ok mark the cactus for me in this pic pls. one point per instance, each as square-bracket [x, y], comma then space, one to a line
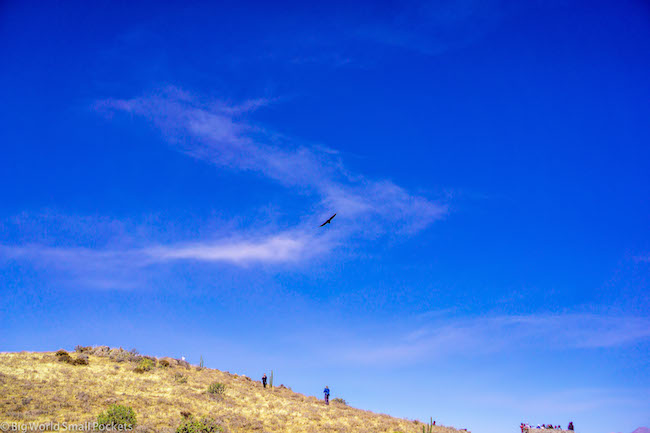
[428, 428]
[201, 363]
[271, 380]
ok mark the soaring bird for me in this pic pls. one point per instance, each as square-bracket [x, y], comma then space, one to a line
[328, 221]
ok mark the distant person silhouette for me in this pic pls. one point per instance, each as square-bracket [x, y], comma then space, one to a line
[264, 380]
[571, 426]
[326, 391]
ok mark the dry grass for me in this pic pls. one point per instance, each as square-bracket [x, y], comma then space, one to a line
[37, 388]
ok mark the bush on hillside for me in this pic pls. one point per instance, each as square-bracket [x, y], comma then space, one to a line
[203, 425]
[63, 356]
[80, 360]
[180, 378]
[145, 364]
[83, 349]
[117, 417]
[340, 401]
[163, 363]
[216, 388]
[121, 355]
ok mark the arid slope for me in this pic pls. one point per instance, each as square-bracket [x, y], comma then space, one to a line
[36, 387]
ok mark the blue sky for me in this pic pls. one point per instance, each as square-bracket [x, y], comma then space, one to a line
[165, 168]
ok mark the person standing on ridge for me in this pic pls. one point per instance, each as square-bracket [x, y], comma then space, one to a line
[264, 380]
[571, 426]
[326, 391]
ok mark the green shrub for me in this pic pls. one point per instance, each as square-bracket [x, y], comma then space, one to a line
[117, 417]
[180, 378]
[193, 425]
[217, 388]
[163, 363]
[340, 401]
[203, 425]
[145, 364]
[63, 356]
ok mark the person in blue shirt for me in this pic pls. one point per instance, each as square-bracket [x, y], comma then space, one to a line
[326, 391]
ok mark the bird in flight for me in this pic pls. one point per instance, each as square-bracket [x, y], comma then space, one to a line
[328, 221]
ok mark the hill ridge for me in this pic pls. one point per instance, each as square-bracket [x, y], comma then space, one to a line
[43, 387]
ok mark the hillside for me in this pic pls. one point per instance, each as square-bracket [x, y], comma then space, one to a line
[39, 388]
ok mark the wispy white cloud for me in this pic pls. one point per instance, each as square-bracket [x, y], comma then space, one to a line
[560, 402]
[85, 267]
[280, 248]
[221, 134]
[274, 249]
[486, 335]
[125, 267]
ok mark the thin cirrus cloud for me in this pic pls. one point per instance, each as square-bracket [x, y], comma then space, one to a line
[277, 248]
[220, 133]
[126, 267]
[486, 335]
[562, 401]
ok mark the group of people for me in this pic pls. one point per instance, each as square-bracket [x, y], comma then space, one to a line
[525, 427]
[326, 391]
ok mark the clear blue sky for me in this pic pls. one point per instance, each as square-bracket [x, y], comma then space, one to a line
[165, 168]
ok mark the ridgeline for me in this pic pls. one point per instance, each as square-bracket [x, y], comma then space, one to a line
[168, 395]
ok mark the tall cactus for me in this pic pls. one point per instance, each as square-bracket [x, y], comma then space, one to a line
[428, 428]
[201, 364]
[271, 380]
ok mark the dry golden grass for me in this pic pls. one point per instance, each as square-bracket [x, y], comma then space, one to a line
[36, 388]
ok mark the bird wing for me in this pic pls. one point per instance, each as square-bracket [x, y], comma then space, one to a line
[328, 221]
